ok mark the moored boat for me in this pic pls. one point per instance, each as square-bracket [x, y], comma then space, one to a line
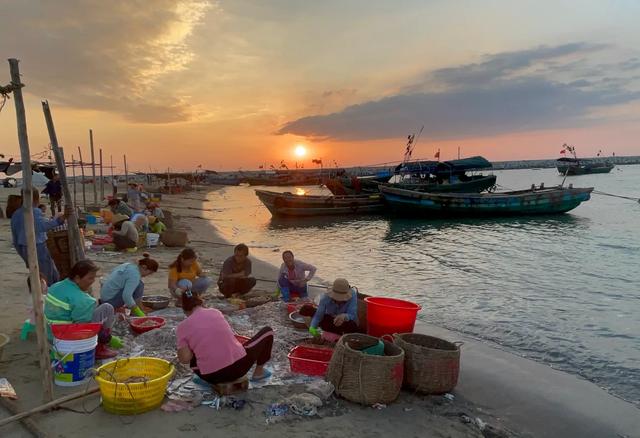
[574, 166]
[288, 204]
[534, 201]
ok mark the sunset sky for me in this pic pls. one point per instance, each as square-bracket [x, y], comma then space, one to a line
[236, 84]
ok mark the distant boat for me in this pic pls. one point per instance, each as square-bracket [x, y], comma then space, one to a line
[575, 166]
[534, 201]
[288, 204]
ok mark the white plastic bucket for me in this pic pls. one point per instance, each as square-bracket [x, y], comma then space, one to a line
[153, 239]
[72, 360]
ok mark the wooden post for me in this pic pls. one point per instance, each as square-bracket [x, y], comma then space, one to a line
[93, 169]
[29, 228]
[126, 172]
[115, 191]
[73, 172]
[76, 245]
[84, 191]
[101, 179]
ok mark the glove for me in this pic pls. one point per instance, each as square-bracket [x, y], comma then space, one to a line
[315, 331]
[137, 311]
[115, 342]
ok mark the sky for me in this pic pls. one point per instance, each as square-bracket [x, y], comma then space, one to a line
[237, 84]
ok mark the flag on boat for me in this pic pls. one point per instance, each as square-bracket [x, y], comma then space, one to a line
[563, 151]
[437, 155]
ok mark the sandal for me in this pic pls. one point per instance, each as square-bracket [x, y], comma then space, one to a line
[266, 375]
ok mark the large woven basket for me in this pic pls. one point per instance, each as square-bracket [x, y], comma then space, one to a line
[174, 238]
[364, 378]
[431, 365]
[122, 396]
[58, 246]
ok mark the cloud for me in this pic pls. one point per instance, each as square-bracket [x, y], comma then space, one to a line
[109, 56]
[507, 92]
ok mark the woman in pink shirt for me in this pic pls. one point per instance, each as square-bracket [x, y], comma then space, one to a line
[207, 342]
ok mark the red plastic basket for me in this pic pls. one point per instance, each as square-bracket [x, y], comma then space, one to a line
[75, 332]
[309, 360]
[136, 324]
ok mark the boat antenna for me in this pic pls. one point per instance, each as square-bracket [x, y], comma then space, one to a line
[411, 144]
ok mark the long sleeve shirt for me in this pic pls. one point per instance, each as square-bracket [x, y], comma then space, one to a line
[66, 302]
[129, 230]
[330, 307]
[299, 270]
[42, 225]
[123, 280]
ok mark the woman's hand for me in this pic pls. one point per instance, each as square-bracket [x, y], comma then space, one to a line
[340, 319]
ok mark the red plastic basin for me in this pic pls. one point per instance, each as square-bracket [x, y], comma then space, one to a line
[386, 316]
[141, 324]
[75, 332]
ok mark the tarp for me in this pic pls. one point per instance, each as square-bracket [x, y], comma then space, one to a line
[444, 167]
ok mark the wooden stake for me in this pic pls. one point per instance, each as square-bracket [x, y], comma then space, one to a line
[114, 187]
[73, 171]
[29, 227]
[93, 169]
[49, 405]
[75, 240]
[126, 172]
[101, 179]
[84, 191]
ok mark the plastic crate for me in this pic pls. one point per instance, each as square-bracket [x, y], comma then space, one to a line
[309, 360]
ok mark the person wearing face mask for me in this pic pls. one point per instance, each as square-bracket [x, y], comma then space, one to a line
[124, 286]
[69, 301]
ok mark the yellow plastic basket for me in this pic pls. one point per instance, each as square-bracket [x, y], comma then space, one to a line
[123, 393]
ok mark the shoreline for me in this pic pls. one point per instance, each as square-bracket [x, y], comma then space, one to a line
[522, 395]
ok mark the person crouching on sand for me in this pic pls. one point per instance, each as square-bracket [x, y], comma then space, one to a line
[124, 286]
[69, 301]
[234, 278]
[208, 344]
[337, 312]
[185, 274]
[293, 277]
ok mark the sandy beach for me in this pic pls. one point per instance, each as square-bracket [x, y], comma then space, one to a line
[499, 394]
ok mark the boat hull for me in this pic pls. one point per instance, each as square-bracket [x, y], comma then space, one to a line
[553, 200]
[287, 204]
[584, 170]
[475, 185]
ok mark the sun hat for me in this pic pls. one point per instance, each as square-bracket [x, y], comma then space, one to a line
[152, 220]
[341, 291]
[119, 218]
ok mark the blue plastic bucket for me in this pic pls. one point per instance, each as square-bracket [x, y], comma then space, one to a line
[72, 360]
[91, 219]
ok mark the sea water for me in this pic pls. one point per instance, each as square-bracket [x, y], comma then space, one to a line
[563, 290]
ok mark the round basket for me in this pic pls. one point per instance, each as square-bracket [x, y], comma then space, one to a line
[364, 378]
[122, 391]
[431, 365]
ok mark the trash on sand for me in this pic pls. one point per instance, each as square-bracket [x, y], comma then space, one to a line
[465, 418]
[379, 406]
[6, 390]
[408, 409]
[321, 389]
[481, 424]
[277, 410]
[449, 397]
[304, 404]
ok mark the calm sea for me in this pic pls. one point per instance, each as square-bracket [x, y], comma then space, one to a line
[563, 290]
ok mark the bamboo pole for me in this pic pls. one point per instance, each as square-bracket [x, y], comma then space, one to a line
[126, 172]
[27, 423]
[84, 191]
[73, 172]
[101, 179]
[29, 228]
[49, 405]
[93, 169]
[114, 184]
[75, 240]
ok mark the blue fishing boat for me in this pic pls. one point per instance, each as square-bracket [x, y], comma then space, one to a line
[534, 201]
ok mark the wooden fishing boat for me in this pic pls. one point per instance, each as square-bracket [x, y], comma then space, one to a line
[464, 184]
[574, 166]
[537, 200]
[288, 204]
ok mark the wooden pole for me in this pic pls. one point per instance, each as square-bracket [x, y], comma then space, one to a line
[101, 179]
[76, 245]
[93, 169]
[84, 191]
[126, 172]
[49, 405]
[73, 172]
[30, 234]
[114, 185]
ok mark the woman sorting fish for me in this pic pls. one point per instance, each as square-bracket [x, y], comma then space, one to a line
[337, 311]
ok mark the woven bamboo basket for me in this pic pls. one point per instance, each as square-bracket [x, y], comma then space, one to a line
[431, 365]
[174, 238]
[364, 378]
[58, 246]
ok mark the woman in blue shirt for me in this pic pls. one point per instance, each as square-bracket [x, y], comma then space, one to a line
[337, 312]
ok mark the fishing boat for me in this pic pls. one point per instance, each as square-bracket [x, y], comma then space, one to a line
[288, 204]
[534, 201]
[575, 166]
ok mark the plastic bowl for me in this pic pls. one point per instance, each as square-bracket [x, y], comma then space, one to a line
[156, 302]
[141, 325]
[298, 320]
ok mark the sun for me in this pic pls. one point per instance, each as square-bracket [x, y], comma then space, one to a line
[300, 151]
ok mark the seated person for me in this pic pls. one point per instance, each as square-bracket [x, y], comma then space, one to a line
[125, 232]
[155, 226]
[70, 301]
[207, 342]
[155, 210]
[293, 277]
[120, 207]
[337, 312]
[124, 286]
[234, 278]
[185, 274]
[142, 220]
